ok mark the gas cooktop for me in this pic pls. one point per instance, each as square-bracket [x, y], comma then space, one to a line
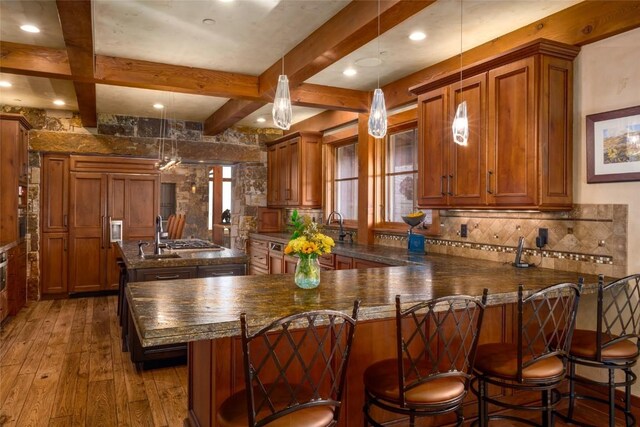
[190, 244]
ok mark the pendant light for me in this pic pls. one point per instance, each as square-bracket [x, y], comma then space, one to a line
[460, 126]
[281, 111]
[378, 113]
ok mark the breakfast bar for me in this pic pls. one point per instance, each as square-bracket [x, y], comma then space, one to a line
[205, 313]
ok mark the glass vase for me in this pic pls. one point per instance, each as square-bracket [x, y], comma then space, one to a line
[307, 274]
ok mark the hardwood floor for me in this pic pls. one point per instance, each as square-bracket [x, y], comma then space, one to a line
[61, 364]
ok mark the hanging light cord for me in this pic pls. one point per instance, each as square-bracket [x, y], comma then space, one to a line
[460, 47]
[379, 60]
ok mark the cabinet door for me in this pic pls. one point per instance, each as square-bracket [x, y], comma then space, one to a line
[293, 172]
[363, 263]
[511, 163]
[310, 175]
[434, 126]
[55, 194]
[54, 263]
[9, 171]
[290, 263]
[273, 177]
[466, 185]
[275, 262]
[343, 262]
[23, 153]
[88, 239]
[283, 169]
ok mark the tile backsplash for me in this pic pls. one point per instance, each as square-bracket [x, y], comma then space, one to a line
[588, 239]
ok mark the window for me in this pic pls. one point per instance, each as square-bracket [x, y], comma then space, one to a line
[167, 200]
[401, 174]
[219, 198]
[345, 182]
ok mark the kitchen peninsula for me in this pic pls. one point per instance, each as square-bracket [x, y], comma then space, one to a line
[205, 313]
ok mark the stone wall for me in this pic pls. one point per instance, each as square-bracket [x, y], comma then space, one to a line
[62, 132]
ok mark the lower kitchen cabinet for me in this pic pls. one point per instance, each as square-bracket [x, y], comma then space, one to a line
[343, 262]
[53, 268]
[222, 270]
[17, 278]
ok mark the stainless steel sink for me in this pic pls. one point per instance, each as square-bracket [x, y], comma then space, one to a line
[161, 256]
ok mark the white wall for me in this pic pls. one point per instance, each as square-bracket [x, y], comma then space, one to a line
[607, 77]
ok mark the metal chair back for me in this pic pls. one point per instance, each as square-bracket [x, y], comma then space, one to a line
[618, 312]
[436, 339]
[297, 362]
[546, 320]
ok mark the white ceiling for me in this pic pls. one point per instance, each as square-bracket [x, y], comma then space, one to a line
[299, 114]
[483, 20]
[37, 92]
[247, 37]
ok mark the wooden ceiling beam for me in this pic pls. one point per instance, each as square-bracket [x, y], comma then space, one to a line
[76, 22]
[37, 61]
[229, 114]
[351, 28]
[318, 96]
[175, 78]
[581, 24]
[326, 120]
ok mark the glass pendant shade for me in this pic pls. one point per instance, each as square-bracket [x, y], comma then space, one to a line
[281, 111]
[460, 125]
[378, 115]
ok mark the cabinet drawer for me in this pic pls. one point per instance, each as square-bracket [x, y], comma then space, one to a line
[222, 270]
[327, 261]
[151, 274]
[259, 259]
[258, 245]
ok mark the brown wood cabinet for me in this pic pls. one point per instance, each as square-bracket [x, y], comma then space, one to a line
[81, 196]
[13, 172]
[519, 150]
[17, 278]
[343, 262]
[294, 174]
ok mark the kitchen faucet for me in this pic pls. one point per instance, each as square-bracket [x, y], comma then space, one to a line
[341, 234]
[156, 249]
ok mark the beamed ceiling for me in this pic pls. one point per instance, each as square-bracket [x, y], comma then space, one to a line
[218, 61]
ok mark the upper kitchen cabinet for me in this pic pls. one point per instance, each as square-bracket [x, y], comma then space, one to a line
[519, 151]
[13, 173]
[294, 171]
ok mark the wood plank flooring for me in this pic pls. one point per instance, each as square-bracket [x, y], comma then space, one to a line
[61, 364]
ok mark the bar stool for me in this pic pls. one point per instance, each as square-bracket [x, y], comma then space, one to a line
[535, 362]
[295, 370]
[436, 343]
[614, 345]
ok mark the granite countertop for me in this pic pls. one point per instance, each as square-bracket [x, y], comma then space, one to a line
[198, 309]
[188, 257]
[381, 254]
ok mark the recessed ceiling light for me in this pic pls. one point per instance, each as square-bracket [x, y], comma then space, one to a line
[4, 83]
[208, 21]
[59, 102]
[261, 120]
[417, 35]
[369, 62]
[30, 28]
[158, 106]
[226, 1]
[350, 72]
[17, 99]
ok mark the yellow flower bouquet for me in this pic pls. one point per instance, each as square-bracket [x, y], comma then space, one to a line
[307, 243]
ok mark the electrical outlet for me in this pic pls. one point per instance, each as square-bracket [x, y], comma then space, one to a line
[543, 234]
[463, 230]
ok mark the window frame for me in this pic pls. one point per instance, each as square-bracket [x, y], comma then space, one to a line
[330, 190]
[381, 176]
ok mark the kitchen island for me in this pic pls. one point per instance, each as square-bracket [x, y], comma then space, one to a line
[205, 313]
[195, 258]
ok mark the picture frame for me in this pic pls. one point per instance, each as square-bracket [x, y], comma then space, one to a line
[613, 146]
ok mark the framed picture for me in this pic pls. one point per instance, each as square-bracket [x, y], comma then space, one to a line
[613, 146]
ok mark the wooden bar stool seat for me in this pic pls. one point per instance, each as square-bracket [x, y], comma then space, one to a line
[233, 411]
[381, 379]
[613, 346]
[295, 371]
[584, 345]
[536, 361]
[436, 342]
[501, 360]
